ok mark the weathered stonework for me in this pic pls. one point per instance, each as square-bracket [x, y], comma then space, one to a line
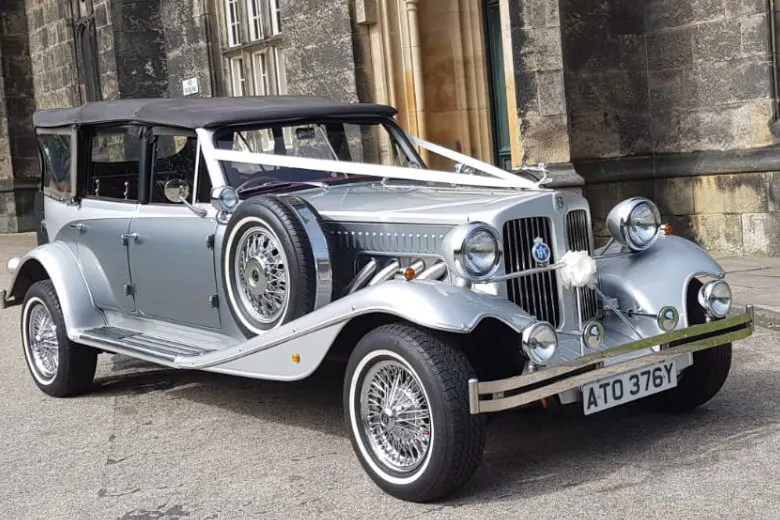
[318, 47]
[18, 159]
[539, 81]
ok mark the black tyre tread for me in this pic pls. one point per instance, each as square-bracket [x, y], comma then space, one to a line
[451, 366]
[305, 293]
[698, 384]
[77, 363]
[703, 380]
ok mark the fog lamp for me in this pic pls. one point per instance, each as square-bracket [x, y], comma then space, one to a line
[668, 318]
[593, 334]
[540, 342]
[716, 298]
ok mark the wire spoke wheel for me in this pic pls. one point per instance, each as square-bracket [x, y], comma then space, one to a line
[42, 343]
[396, 416]
[263, 275]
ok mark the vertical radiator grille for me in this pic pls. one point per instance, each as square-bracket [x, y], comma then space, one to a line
[537, 294]
[578, 235]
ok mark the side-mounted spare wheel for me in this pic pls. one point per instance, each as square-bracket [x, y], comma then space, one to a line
[406, 406]
[268, 268]
[59, 366]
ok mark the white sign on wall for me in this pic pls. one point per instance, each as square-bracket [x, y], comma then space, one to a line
[190, 86]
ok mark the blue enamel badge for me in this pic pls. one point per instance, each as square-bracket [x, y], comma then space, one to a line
[540, 251]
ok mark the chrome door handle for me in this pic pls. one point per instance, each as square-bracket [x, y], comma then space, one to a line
[78, 227]
[127, 237]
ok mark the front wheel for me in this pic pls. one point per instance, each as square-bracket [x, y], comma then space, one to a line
[407, 411]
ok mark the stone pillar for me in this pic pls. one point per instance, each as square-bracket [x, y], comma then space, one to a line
[18, 160]
[539, 87]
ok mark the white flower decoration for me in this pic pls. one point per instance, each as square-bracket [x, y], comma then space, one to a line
[579, 269]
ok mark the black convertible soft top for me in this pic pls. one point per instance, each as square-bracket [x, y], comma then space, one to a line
[211, 112]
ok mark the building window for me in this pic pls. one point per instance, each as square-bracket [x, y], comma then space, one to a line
[260, 70]
[233, 22]
[237, 79]
[280, 80]
[276, 21]
[87, 41]
[253, 57]
[254, 9]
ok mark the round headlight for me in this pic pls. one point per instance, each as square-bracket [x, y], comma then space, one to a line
[480, 252]
[473, 251]
[635, 223]
[540, 342]
[224, 198]
[716, 298]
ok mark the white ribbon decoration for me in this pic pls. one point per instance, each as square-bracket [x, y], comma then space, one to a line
[579, 269]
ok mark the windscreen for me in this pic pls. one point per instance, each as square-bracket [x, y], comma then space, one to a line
[349, 141]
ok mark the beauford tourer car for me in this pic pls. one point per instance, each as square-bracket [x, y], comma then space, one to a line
[255, 236]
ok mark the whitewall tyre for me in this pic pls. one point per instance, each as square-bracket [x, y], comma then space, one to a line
[407, 412]
[267, 266]
[58, 366]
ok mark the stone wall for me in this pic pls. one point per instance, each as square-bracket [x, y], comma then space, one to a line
[318, 48]
[673, 100]
[18, 152]
[539, 80]
[666, 76]
[186, 45]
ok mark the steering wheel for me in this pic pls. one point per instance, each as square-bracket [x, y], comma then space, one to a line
[253, 181]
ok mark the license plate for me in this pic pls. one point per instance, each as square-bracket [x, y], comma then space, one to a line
[627, 387]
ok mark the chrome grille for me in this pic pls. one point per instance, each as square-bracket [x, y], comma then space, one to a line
[578, 235]
[537, 294]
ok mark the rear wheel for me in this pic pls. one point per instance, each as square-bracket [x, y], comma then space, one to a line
[59, 367]
[406, 409]
[701, 381]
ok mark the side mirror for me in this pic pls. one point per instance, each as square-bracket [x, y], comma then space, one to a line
[177, 190]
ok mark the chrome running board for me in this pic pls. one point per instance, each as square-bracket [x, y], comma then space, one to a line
[139, 345]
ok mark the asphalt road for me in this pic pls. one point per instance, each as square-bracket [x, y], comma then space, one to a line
[154, 443]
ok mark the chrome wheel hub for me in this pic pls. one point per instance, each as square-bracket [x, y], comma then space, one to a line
[43, 345]
[396, 416]
[263, 279]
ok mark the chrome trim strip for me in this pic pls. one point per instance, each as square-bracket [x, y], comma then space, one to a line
[434, 272]
[513, 383]
[527, 272]
[386, 272]
[577, 381]
[362, 277]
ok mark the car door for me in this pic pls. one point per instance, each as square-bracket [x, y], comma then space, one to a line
[171, 246]
[109, 201]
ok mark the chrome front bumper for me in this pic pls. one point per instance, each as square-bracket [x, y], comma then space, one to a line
[503, 394]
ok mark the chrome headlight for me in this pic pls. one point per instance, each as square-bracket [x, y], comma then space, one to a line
[540, 342]
[224, 198]
[716, 298]
[473, 251]
[635, 223]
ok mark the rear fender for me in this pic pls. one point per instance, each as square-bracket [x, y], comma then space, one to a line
[57, 262]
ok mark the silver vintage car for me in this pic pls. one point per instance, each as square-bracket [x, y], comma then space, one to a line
[256, 236]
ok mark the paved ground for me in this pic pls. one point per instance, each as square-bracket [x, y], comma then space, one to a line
[152, 444]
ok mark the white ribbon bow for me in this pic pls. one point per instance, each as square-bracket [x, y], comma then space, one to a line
[579, 269]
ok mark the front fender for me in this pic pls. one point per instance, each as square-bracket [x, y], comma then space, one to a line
[655, 278]
[430, 304]
[57, 262]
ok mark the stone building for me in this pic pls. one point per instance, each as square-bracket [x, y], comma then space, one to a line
[675, 100]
